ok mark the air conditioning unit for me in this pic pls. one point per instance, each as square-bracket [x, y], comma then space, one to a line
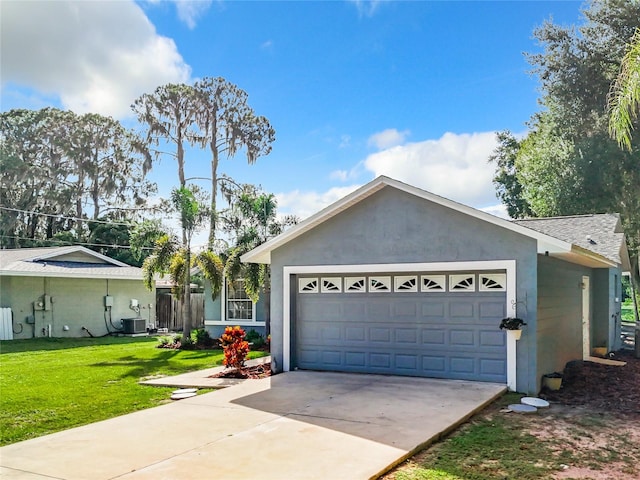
[134, 325]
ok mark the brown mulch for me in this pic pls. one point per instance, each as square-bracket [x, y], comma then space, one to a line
[600, 387]
[257, 371]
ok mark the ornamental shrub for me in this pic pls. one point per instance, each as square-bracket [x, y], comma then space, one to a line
[256, 339]
[235, 347]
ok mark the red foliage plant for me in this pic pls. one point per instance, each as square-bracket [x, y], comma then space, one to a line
[235, 347]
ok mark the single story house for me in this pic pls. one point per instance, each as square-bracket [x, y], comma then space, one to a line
[71, 292]
[392, 279]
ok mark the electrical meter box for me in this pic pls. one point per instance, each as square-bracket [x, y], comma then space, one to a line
[108, 301]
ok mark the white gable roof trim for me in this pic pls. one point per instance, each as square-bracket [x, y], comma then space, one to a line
[545, 244]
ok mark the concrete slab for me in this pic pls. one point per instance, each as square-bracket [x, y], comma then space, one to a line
[304, 425]
[202, 378]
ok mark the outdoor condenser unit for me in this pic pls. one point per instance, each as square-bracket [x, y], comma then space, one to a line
[134, 325]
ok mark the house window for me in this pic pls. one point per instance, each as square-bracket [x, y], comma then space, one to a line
[239, 305]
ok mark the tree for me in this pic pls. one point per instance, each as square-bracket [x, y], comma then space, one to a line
[250, 221]
[57, 166]
[624, 97]
[168, 114]
[173, 257]
[508, 187]
[122, 239]
[227, 123]
[568, 164]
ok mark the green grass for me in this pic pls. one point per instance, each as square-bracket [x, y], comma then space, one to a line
[627, 312]
[48, 385]
[486, 448]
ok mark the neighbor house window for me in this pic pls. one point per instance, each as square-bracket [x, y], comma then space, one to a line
[239, 305]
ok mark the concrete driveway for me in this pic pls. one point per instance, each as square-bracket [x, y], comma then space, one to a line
[295, 425]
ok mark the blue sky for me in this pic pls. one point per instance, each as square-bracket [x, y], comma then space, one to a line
[412, 90]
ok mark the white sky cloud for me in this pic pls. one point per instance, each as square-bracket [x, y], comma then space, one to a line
[387, 138]
[305, 204]
[367, 8]
[94, 56]
[190, 10]
[454, 166]
[499, 210]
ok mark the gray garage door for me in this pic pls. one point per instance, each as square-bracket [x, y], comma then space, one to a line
[433, 325]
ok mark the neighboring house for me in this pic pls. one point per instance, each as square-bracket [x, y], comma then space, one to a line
[396, 280]
[56, 291]
[232, 307]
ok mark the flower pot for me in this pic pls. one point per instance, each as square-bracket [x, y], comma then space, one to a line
[552, 381]
[515, 333]
[599, 351]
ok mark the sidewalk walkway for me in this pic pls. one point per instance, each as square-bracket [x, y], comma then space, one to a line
[202, 378]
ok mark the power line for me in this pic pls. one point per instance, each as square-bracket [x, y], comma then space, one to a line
[84, 244]
[54, 215]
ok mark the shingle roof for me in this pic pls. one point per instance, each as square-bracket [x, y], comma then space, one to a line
[56, 262]
[597, 233]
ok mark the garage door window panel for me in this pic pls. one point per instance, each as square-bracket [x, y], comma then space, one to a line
[494, 282]
[379, 284]
[465, 282]
[331, 285]
[307, 285]
[355, 284]
[433, 283]
[405, 283]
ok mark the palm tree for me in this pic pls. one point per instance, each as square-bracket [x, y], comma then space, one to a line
[174, 257]
[251, 220]
[624, 98]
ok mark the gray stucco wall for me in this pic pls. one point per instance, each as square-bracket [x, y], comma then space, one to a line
[392, 227]
[76, 302]
[560, 313]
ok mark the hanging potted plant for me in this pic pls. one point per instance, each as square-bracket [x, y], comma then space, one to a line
[513, 324]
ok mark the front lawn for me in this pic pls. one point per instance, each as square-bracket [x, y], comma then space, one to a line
[47, 385]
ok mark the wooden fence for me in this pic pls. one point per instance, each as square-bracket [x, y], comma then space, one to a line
[169, 311]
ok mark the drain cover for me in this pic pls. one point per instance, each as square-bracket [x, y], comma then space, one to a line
[535, 402]
[180, 396]
[185, 390]
[520, 408]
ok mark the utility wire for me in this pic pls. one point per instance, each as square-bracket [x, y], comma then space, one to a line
[54, 215]
[85, 244]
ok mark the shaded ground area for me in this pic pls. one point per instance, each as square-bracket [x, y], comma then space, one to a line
[591, 431]
[601, 387]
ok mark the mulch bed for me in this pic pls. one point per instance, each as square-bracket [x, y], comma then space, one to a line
[257, 371]
[600, 387]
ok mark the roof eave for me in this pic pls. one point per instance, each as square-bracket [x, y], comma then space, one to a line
[586, 258]
[18, 273]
